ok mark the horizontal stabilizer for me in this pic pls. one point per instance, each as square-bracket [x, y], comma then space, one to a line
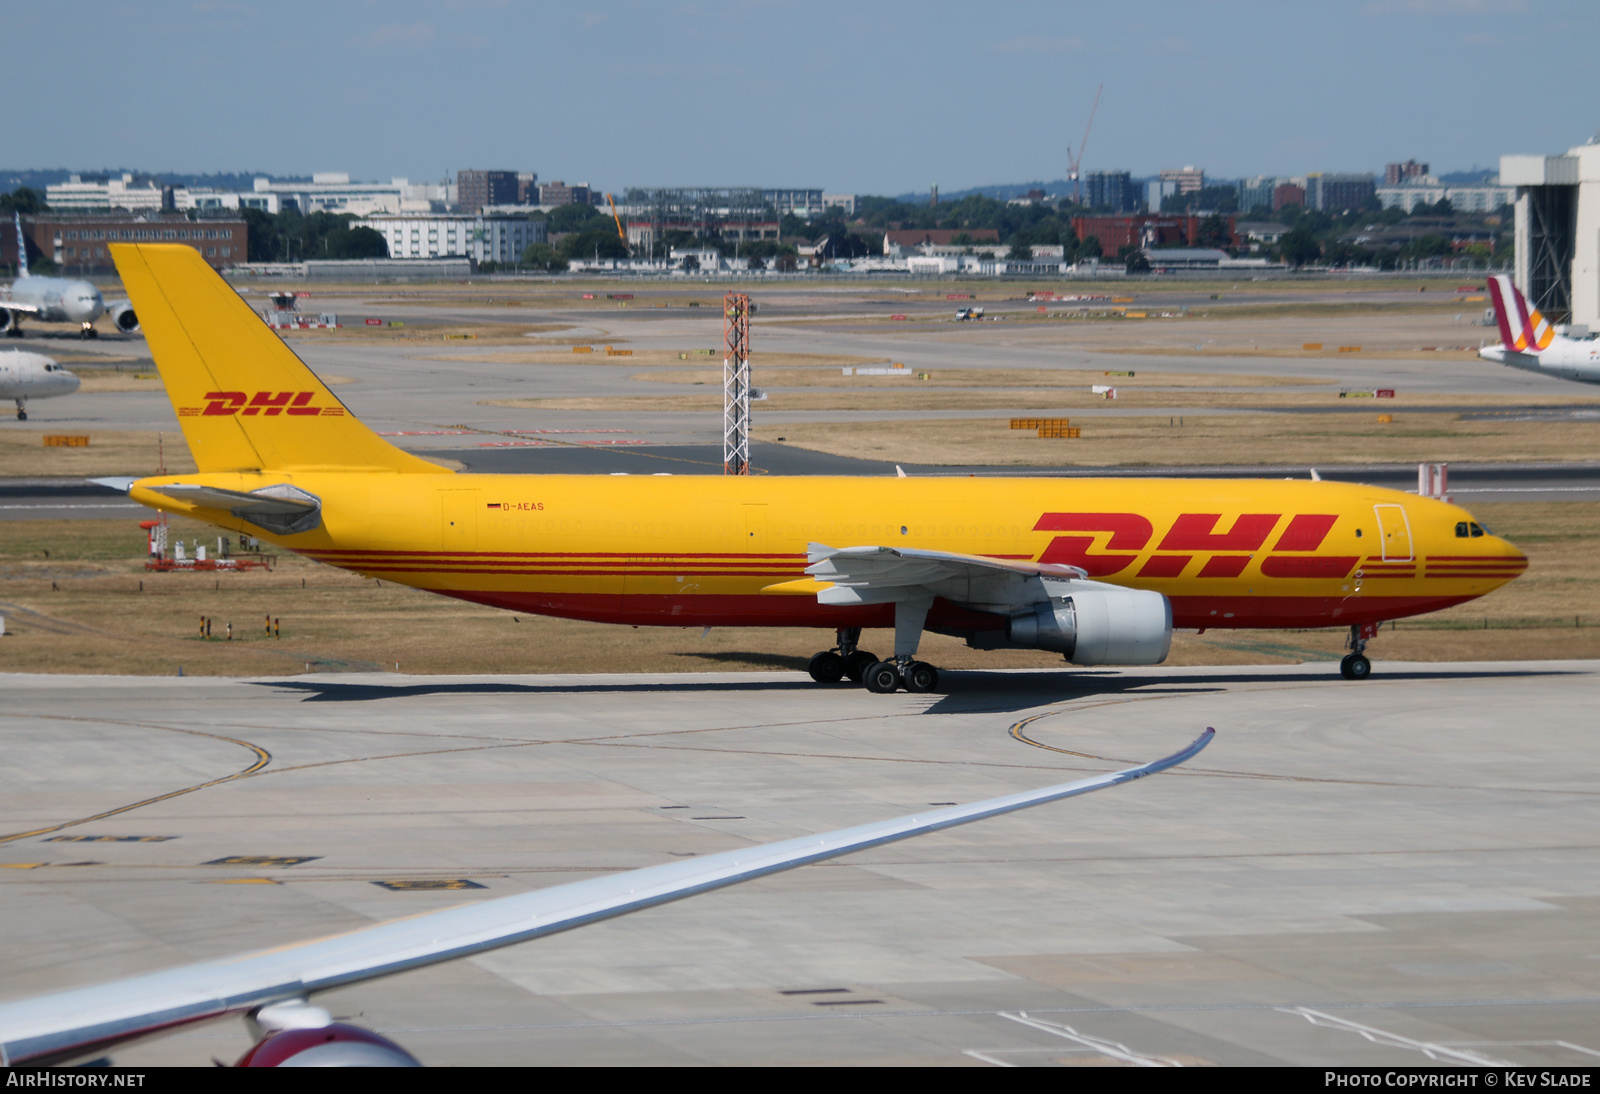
[283, 509]
[119, 482]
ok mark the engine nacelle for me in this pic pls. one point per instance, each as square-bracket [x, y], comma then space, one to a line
[122, 316]
[8, 320]
[1105, 625]
[335, 1045]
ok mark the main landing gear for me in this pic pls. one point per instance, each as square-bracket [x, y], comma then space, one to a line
[844, 660]
[881, 677]
[1355, 665]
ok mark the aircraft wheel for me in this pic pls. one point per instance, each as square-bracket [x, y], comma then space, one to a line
[857, 664]
[1355, 666]
[921, 676]
[14, 332]
[882, 678]
[22, 415]
[826, 667]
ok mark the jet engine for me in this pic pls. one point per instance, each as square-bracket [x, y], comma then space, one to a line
[295, 1033]
[122, 315]
[335, 1045]
[1101, 625]
[8, 320]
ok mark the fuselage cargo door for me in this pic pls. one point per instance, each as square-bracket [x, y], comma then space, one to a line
[1394, 532]
[458, 520]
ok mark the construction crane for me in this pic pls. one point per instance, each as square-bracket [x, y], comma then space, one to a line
[1073, 161]
[620, 233]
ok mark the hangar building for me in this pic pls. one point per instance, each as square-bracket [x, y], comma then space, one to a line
[1558, 232]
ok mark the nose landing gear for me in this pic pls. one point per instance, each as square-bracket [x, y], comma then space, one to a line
[22, 413]
[88, 331]
[1355, 665]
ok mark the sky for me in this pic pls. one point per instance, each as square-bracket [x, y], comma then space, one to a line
[860, 97]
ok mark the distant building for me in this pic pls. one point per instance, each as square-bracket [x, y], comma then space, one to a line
[527, 187]
[1168, 259]
[1396, 174]
[77, 242]
[456, 235]
[1327, 191]
[843, 202]
[1113, 190]
[1464, 199]
[897, 242]
[1156, 191]
[559, 193]
[1145, 230]
[1256, 193]
[1186, 179]
[475, 189]
[80, 195]
[1286, 194]
[802, 203]
[333, 192]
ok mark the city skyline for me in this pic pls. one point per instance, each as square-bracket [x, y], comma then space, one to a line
[885, 100]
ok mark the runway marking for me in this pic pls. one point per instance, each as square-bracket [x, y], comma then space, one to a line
[263, 758]
[1132, 1008]
[1114, 1049]
[1016, 733]
[1383, 1037]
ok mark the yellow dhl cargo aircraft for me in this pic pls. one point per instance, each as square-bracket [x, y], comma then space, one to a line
[1100, 570]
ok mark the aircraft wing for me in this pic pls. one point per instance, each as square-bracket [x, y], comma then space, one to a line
[17, 305]
[876, 575]
[85, 1022]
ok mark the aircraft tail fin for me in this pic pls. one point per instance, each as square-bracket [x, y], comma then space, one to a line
[245, 402]
[22, 246]
[1522, 328]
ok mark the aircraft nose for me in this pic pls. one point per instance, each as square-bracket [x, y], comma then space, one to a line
[69, 381]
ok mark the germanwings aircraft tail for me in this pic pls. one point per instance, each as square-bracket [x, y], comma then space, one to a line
[1528, 341]
[245, 402]
[22, 246]
[1522, 328]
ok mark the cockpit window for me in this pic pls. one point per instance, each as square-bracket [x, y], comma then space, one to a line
[1461, 530]
[1472, 529]
[1478, 530]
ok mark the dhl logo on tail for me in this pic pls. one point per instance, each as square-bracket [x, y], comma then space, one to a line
[267, 403]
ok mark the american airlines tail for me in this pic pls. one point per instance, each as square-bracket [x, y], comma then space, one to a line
[1528, 341]
[245, 402]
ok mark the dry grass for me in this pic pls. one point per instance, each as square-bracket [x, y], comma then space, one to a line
[426, 331]
[81, 610]
[109, 452]
[1249, 439]
[655, 357]
[770, 371]
[911, 395]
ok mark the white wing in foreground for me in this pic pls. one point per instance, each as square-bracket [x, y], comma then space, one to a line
[84, 1022]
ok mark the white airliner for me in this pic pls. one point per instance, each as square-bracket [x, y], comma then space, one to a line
[57, 300]
[271, 989]
[1528, 341]
[25, 376]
